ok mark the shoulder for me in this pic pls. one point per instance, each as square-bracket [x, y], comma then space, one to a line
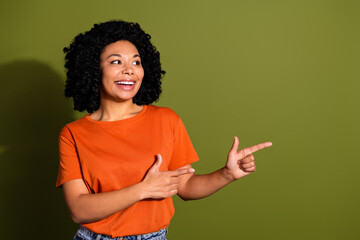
[163, 116]
[163, 112]
[74, 126]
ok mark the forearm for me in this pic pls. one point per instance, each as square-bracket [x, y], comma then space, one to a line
[201, 186]
[239, 164]
[86, 208]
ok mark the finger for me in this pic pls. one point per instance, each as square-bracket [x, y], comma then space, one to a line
[235, 145]
[247, 159]
[248, 165]
[256, 148]
[169, 193]
[157, 164]
[252, 169]
[174, 181]
[171, 180]
[173, 192]
[179, 172]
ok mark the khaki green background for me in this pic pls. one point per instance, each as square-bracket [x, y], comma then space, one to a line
[281, 71]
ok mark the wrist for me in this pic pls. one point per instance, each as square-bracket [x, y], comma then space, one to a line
[141, 191]
[227, 175]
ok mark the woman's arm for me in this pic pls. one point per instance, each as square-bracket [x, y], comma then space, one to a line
[239, 164]
[85, 207]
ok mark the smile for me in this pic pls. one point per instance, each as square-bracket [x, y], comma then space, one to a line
[127, 83]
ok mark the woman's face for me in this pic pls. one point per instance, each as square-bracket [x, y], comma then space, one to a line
[122, 72]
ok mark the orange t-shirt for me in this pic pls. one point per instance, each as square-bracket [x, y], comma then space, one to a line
[113, 155]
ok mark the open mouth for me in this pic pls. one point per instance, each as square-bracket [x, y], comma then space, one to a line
[125, 83]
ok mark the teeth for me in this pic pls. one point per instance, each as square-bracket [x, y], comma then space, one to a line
[124, 83]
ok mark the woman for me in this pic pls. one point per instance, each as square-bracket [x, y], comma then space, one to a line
[122, 162]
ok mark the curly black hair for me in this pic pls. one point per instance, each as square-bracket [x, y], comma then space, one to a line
[82, 61]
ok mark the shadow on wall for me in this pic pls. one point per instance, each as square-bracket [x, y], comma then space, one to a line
[33, 110]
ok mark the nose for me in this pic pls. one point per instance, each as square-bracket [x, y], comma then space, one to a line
[128, 69]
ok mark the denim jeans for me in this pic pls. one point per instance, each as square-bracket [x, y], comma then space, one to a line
[86, 234]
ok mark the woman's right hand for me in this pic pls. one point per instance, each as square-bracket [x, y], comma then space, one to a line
[162, 184]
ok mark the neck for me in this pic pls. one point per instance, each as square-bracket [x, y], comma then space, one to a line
[114, 111]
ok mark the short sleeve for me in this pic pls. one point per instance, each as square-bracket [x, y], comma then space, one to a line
[183, 151]
[69, 166]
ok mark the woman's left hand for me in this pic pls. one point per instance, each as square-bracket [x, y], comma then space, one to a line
[241, 163]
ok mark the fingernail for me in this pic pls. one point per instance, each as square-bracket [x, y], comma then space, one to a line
[192, 170]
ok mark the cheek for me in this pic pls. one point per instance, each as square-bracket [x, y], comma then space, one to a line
[108, 76]
[110, 71]
[141, 74]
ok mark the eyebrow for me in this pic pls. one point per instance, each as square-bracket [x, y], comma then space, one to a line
[118, 55]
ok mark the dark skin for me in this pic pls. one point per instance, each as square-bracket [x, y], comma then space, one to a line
[122, 76]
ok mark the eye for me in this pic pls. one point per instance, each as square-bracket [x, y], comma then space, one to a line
[137, 63]
[116, 62]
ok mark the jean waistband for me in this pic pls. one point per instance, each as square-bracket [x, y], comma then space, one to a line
[90, 235]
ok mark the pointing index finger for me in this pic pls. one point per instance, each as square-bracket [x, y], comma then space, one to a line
[179, 172]
[256, 147]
